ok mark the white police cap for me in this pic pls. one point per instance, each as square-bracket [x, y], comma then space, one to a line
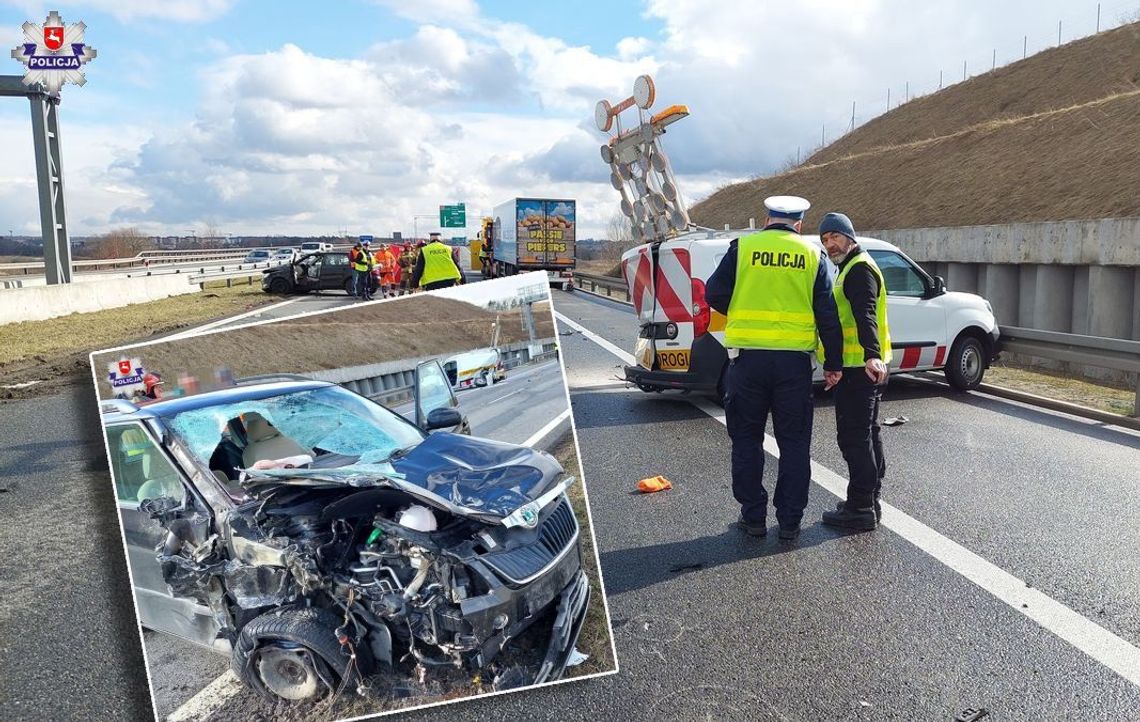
[792, 207]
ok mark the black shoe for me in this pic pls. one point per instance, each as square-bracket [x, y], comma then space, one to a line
[752, 528]
[789, 532]
[855, 519]
[841, 505]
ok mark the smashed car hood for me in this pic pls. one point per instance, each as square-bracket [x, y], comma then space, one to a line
[477, 474]
[469, 476]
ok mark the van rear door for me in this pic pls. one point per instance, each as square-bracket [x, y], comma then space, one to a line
[659, 278]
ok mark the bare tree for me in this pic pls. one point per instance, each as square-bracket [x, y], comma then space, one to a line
[120, 243]
[619, 230]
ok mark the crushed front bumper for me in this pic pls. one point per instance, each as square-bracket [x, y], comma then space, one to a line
[572, 605]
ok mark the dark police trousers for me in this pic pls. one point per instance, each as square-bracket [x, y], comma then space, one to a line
[857, 431]
[780, 382]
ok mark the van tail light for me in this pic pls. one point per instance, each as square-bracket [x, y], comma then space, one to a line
[702, 314]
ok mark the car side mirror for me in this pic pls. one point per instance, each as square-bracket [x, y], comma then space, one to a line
[939, 287]
[443, 419]
[160, 508]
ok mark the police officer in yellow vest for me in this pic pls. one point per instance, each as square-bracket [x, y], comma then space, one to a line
[776, 291]
[435, 267]
[861, 296]
[362, 263]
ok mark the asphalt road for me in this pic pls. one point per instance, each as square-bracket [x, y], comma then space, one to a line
[709, 624]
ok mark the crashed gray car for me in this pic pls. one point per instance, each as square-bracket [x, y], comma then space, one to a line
[319, 538]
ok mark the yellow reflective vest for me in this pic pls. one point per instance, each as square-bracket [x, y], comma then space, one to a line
[771, 306]
[438, 265]
[852, 349]
[363, 260]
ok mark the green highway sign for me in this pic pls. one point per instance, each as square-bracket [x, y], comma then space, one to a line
[453, 216]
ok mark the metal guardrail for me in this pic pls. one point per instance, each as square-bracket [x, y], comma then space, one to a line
[154, 258]
[608, 284]
[1098, 351]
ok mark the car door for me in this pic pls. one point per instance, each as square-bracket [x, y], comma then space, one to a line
[918, 323]
[143, 470]
[433, 391]
[335, 271]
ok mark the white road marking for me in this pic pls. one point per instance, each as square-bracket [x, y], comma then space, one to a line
[1086, 635]
[538, 435]
[228, 319]
[495, 401]
[208, 700]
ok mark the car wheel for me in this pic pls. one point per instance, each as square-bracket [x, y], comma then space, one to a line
[967, 363]
[291, 655]
[279, 285]
[349, 287]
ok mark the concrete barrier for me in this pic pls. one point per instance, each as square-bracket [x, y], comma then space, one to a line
[1080, 276]
[37, 303]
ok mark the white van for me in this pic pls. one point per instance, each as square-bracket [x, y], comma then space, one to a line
[315, 246]
[481, 367]
[680, 341]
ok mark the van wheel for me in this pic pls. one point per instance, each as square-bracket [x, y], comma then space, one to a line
[967, 363]
[291, 655]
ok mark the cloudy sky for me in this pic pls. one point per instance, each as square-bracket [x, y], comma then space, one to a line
[256, 117]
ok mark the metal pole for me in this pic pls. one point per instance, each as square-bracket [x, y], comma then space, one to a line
[852, 115]
[1136, 405]
[1098, 17]
[888, 99]
[49, 169]
[1024, 45]
[907, 96]
[1058, 32]
[993, 65]
[963, 70]
[940, 80]
[822, 132]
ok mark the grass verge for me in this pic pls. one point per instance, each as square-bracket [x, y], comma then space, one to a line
[1062, 387]
[595, 637]
[57, 348]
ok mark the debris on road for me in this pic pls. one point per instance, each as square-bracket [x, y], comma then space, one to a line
[576, 658]
[653, 484]
[896, 421]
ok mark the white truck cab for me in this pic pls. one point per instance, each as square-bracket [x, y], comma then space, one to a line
[680, 342]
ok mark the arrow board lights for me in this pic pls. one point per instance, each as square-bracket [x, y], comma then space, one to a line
[639, 168]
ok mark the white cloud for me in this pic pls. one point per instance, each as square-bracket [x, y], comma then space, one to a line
[454, 12]
[468, 108]
[184, 11]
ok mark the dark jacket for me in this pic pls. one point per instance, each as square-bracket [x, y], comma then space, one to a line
[861, 287]
[718, 293]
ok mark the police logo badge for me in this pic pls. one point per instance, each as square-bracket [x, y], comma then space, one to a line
[54, 53]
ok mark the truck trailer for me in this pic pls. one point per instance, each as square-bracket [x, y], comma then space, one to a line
[535, 234]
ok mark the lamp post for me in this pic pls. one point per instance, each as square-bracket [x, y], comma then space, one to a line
[415, 224]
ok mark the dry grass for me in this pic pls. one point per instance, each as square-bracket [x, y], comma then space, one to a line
[596, 633]
[1046, 139]
[415, 326]
[1062, 387]
[1073, 74]
[57, 348]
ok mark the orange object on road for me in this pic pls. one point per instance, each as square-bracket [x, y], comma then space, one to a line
[652, 484]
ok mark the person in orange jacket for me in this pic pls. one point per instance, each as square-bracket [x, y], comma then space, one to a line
[385, 263]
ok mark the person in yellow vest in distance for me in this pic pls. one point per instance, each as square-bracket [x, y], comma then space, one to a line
[861, 296]
[435, 267]
[362, 272]
[776, 291]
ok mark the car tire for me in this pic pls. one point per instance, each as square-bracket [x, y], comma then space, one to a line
[349, 287]
[966, 364]
[279, 285]
[290, 655]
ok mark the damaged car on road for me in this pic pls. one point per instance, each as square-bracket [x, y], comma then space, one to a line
[322, 540]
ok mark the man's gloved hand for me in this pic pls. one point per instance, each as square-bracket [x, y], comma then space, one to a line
[876, 370]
